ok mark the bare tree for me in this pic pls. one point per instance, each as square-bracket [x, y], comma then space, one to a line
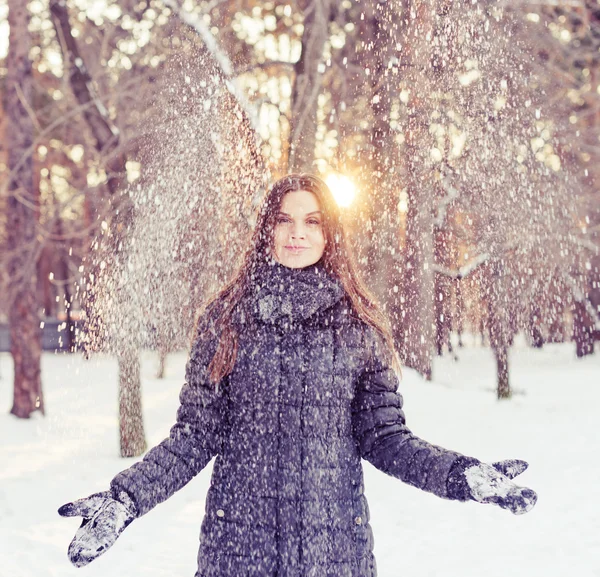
[565, 36]
[22, 243]
[381, 35]
[419, 67]
[106, 140]
[307, 85]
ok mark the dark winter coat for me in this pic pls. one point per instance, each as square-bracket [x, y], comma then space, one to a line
[311, 394]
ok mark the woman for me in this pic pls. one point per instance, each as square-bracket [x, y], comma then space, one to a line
[291, 381]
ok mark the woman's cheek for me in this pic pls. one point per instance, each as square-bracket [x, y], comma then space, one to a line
[318, 239]
[279, 236]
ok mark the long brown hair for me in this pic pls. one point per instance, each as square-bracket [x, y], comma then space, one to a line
[337, 260]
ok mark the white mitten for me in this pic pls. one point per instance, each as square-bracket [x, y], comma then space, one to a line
[104, 519]
[492, 484]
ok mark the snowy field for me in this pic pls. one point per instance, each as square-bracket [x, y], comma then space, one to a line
[552, 422]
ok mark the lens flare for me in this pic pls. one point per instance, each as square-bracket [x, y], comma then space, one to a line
[343, 189]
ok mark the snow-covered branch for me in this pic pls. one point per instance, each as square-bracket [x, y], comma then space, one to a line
[587, 244]
[452, 193]
[265, 65]
[580, 297]
[463, 271]
[128, 87]
[105, 132]
[538, 3]
[196, 23]
[97, 117]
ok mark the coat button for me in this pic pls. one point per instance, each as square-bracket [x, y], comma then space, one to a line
[220, 513]
[358, 521]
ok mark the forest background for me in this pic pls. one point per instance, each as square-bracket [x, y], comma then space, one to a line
[462, 140]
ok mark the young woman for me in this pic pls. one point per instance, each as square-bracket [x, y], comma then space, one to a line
[291, 381]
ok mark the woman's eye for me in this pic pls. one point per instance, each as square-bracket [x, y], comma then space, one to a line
[285, 219]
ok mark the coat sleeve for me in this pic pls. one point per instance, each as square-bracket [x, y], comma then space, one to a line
[193, 441]
[379, 427]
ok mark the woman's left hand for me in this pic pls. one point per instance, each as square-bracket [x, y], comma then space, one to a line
[493, 484]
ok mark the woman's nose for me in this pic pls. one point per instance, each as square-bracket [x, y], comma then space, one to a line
[298, 231]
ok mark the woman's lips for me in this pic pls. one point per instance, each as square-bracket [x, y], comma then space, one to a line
[296, 249]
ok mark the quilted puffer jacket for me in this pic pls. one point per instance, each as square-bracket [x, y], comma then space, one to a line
[310, 395]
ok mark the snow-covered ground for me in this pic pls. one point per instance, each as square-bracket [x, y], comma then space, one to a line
[552, 422]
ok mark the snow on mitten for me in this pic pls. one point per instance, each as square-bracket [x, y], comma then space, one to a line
[488, 485]
[104, 519]
[471, 479]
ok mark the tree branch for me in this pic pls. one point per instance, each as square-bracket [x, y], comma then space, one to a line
[197, 24]
[580, 297]
[105, 133]
[463, 271]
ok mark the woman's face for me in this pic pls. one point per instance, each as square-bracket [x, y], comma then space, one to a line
[299, 239]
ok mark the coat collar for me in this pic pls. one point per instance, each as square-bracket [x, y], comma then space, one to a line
[282, 293]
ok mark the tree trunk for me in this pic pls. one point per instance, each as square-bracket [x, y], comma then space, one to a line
[106, 138]
[498, 323]
[418, 180]
[131, 420]
[163, 351]
[503, 389]
[594, 290]
[442, 314]
[307, 86]
[459, 310]
[383, 199]
[442, 292]
[23, 201]
[63, 257]
[418, 286]
[583, 330]
[535, 334]
[26, 349]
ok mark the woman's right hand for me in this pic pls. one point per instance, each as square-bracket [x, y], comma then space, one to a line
[104, 519]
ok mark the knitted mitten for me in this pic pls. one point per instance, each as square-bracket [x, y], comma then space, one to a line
[105, 517]
[472, 479]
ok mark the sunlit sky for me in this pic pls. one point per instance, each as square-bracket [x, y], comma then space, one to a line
[256, 29]
[252, 28]
[342, 188]
[3, 29]
[94, 9]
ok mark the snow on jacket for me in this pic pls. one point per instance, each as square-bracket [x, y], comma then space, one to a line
[310, 395]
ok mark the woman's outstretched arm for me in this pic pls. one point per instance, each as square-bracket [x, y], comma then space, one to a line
[193, 441]
[380, 429]
[385, 441]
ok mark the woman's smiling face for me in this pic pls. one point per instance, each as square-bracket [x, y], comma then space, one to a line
[299, 239]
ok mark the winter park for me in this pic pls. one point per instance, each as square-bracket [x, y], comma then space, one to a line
[299, 288]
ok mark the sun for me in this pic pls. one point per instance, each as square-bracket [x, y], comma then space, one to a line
[343, 189]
